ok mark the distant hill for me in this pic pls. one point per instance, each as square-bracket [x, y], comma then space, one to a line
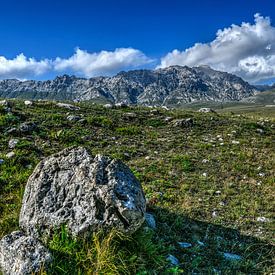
[174, 85]
[264, 98]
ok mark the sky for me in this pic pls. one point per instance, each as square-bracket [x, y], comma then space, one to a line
[45, 38]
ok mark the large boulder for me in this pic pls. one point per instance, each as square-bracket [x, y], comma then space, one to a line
[22, 255]
[86, 193]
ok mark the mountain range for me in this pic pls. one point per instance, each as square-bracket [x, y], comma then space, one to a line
[173, 85]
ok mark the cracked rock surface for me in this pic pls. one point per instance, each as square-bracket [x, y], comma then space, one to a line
[84, 192]
[22, 255]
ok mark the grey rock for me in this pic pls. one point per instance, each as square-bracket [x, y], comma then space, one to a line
[1, 161]
[171, 86]
[173, 260]
[12, 131]
[73, 118]
[5, 103]
[231, 256]
[13, 142]
[67, 106]
[130, 115]
[84, 192]
[27, 127]
[188, 122]
[150, 221]
[28, 103]
[10, 155]
[108, 106]
[206, 110]
[22, 255]
[184, 244]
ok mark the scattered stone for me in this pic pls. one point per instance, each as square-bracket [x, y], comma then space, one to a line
[260, 131]
[73, 118]
[204, 174]
[28, 103]
[188, 122]
[206, 110]
[232, 257]
[168, 119]
[121, 105]
[27, 127]
[12, 143]
[1, 161]
[235, 142]
[84, 192]
[173, 260]
[130, 115]
[108, 106]
[262, 219]
[10, 155]
[5, 103]
[200, 243]
[184, 245]
[12, 131]
[150, 220]
[205, 161]
[22, 255]
[67, 106]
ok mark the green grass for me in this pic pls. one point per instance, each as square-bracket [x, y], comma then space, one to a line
[207, 185]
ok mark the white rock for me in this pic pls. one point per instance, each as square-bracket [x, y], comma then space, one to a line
[28, 103]
[262, 219]
[235, 142]
[172, 259]
[12, 143]
[10, 155]
[231, 256]
[184, 244]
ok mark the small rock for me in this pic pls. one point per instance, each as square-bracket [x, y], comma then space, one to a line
[231, 256]
[188, 122]
[10, 155]
[1, 161]
[5, 103]
[67, 106]
[235, 142]
[262, 219]
[205, 161]
[130, 115]
[22, 255]
[73, 118]
[150, 220]
[27, 127]
[121, 105]
[168, 119]
[206, 110]
[260, 131]
[204, 174]
[12, 131]
[184, 245]
[28, 103]
[108, 106]
[12, 143]
[200, 243]
[173, 260]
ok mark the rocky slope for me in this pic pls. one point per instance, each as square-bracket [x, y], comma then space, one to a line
[174, 85]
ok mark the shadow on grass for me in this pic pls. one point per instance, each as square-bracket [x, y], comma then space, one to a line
[209, 243]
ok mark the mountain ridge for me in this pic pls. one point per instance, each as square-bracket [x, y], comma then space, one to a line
[174, 85]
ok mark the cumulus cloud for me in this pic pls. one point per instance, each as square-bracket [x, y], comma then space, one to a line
[102, 63]
[81, 63]
[22, 67]
[247, 50]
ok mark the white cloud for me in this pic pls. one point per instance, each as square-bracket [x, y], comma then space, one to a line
[247, 50]
[81, 63]
[22, 67]
[102, 63]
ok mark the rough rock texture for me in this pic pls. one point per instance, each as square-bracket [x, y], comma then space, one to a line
[173, 86]
[84, 192]
[22, 255]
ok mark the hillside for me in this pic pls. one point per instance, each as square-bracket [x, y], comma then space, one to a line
[208, 182]
[170, 86]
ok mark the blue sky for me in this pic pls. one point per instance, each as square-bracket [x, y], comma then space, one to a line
[50, 30]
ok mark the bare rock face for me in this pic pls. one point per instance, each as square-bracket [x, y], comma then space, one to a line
[22, 255]
[84, 192]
